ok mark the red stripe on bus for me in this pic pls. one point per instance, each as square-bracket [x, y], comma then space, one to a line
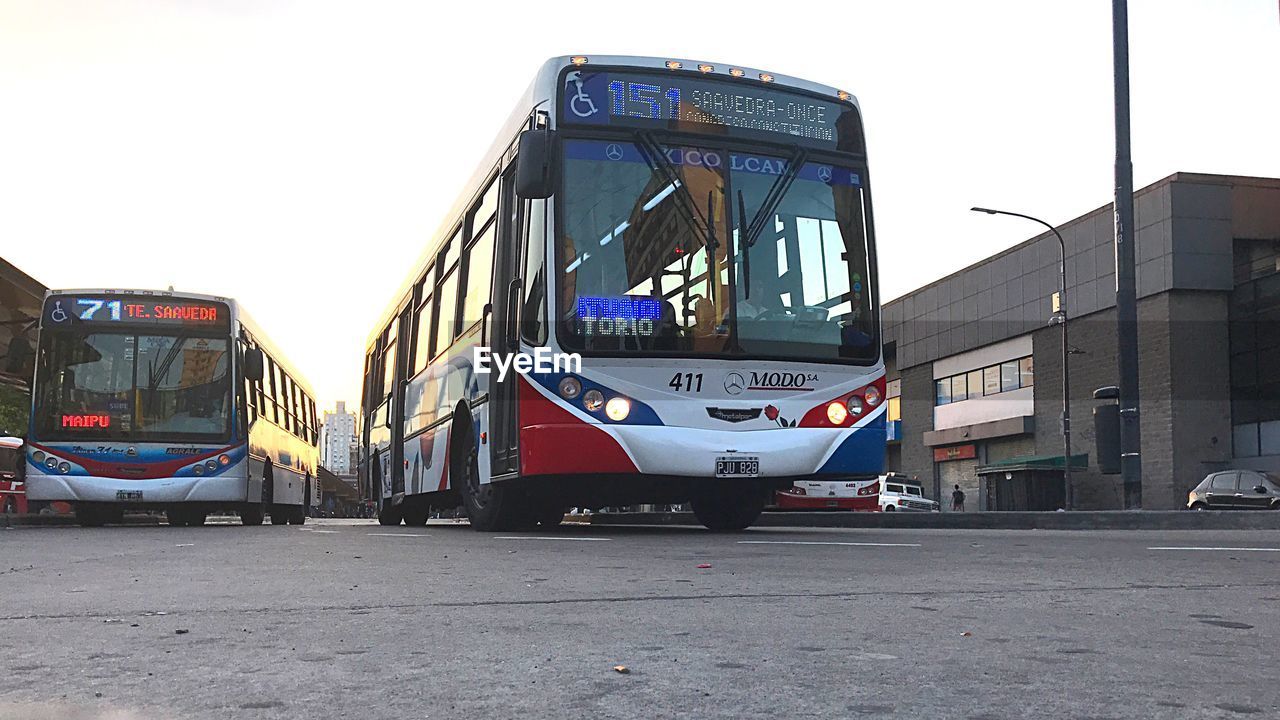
[554, 442]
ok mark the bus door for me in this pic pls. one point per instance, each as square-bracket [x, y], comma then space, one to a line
[396, 411]
[504, 335]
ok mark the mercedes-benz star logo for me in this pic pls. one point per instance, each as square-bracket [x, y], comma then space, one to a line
[734, 383]
[824, 173]
[613, 151]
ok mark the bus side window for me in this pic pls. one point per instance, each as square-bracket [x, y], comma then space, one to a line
[273, 391]
[533, 319]
[422, 353]
[479, 277]
[315, 426]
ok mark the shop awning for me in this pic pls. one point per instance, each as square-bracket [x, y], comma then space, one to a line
[1035, 462]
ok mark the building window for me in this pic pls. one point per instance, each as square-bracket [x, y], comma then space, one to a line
[893, 411]
[992, 380]
[1009, 376]
[942, 391]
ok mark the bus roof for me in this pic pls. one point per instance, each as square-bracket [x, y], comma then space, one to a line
[238, 313]
[539, 95]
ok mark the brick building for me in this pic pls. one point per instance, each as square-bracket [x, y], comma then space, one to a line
[975, 366]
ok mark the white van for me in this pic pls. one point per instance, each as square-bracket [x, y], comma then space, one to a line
[900, 493]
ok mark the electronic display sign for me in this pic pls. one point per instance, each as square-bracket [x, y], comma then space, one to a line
[105, 310]
[693, 103]
[620, 316]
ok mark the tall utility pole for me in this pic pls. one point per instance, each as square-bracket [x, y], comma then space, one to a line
[1126, 292]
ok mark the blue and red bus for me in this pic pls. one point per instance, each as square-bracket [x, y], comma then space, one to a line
[698, 239]
[167, 401]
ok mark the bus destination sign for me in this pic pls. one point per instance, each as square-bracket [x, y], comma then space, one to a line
[67, 310]
[690, 103]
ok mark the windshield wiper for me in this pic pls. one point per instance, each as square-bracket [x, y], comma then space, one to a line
[770, 203]
[746, 249]
[659, 163]
[155, 375]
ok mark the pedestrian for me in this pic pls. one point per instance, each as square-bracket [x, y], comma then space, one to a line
[957, 500]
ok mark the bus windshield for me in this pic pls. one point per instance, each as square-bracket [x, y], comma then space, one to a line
[710, 250]
[132, 387]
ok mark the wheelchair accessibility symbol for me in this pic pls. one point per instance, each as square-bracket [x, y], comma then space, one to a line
[613, 151]
[58, 315]
[824, 173]
[580, 104]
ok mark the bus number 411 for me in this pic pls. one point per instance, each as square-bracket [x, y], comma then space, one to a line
[687, 382]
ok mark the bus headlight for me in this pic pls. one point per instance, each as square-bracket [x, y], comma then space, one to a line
[569, 388]
[617, 409]
[836, 413]
[198, 469]
[38, 457]
[593, 400]
[51, 462]
[855, 405]
[872, 396]
[224, 460]
[64, 467]
[211, 465]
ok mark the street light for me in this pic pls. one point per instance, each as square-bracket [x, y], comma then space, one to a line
[1066, 375]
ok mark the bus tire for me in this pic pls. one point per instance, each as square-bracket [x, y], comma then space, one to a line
[176, 517]
[388, 514]
[416, 514]
[297, 515]
[196, 518]
[252, 515]
[279, 515]
[491, 507]
[728, 507]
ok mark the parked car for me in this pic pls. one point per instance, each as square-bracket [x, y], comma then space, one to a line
[1236, 490]
[898, 493]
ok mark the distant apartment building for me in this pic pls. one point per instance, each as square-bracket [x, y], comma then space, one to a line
[337, 438]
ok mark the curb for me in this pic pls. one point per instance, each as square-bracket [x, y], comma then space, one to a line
[1079, 520]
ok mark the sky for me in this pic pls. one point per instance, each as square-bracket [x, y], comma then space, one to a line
[297, 155]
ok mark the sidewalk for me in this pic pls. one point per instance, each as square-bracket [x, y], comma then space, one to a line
[1081, 520]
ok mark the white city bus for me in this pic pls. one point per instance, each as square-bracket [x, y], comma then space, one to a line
[701, 235]
[168, 401]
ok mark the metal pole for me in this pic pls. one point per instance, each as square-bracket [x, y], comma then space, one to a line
[1068, 492]
[1068, 489]
[1126, 293]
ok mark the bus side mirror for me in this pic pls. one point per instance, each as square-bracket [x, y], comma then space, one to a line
[536, 175]
[253, 364]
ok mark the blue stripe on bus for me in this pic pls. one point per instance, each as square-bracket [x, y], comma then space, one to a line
[641, 414]
[861, 453]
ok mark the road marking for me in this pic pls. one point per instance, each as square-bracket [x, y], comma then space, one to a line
[395, 535]
[325, 532]
[1223, 549]
[538, 537]
[816, 542]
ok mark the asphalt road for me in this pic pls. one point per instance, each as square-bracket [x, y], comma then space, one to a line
[346, 619]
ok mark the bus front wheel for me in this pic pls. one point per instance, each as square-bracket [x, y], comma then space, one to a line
[252, 515]
[491, 506]
[389, 514]
[728, 507]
